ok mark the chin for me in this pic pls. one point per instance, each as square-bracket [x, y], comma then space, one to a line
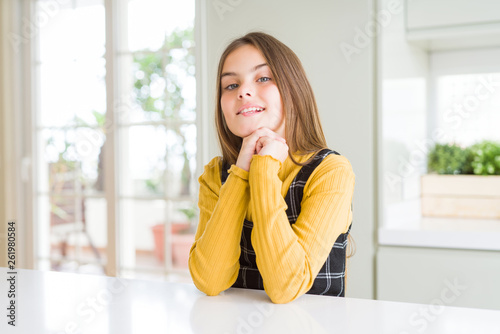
[242, 133]
[246, 131]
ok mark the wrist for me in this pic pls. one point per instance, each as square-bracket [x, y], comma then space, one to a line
[243, 165]
[238, 171]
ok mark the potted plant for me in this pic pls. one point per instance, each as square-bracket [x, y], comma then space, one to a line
[464, 181]
[182, 237]
[182, 241]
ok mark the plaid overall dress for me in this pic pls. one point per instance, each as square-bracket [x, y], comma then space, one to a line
[330, 279]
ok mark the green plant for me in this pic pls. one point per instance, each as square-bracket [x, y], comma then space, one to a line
[152, 185]
[486, 158]
[164, 69]
[190, 214]
[450, 159]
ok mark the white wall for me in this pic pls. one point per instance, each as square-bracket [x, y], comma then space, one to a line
[403, 87]
[344, 90]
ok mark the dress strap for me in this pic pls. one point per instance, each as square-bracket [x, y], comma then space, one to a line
[223, 172]
[295, 192]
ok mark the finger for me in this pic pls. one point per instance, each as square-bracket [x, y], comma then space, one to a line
[264, 140]
[261, 132]
[266, 132]
[258, 145]
[261, 142]
[267, 141]
[250, 143]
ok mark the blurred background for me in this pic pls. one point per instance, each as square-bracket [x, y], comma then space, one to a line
[107, 119]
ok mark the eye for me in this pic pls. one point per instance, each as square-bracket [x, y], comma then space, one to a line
[231, 86]
[264, 79]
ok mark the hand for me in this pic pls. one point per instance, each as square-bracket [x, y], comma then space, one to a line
[249, 146]
[274, 147]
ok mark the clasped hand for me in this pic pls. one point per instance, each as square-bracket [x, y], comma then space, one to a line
[262, 141]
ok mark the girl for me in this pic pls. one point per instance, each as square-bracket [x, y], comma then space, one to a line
[275, 209]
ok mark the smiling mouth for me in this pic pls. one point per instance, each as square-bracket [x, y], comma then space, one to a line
[250, 111]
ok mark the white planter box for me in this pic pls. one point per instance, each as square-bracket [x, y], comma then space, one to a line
[461, 196]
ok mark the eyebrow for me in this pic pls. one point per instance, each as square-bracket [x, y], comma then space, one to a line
[252, 70]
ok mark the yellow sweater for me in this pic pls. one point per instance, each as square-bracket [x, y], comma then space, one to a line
[288, 257]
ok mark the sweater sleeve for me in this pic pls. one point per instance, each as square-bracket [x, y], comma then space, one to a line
[289, 258]
[214, 256]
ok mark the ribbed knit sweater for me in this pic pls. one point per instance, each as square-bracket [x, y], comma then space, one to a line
[288, 256]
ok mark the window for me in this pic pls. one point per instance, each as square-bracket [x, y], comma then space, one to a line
[116, 131]
[467, 105]
[437, 97]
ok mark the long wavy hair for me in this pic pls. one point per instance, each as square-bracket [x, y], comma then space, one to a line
[303, 130]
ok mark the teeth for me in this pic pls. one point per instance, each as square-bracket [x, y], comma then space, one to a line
[253, 109]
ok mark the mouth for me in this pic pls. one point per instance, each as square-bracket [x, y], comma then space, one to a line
[250, 111]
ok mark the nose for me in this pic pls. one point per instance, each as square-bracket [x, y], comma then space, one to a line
[247, 94]
[245, 91]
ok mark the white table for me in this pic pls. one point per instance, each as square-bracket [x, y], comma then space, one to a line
[51, 302]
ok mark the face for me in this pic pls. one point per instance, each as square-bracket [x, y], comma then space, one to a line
[250, 98]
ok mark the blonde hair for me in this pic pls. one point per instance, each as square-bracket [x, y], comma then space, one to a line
[303, 130]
